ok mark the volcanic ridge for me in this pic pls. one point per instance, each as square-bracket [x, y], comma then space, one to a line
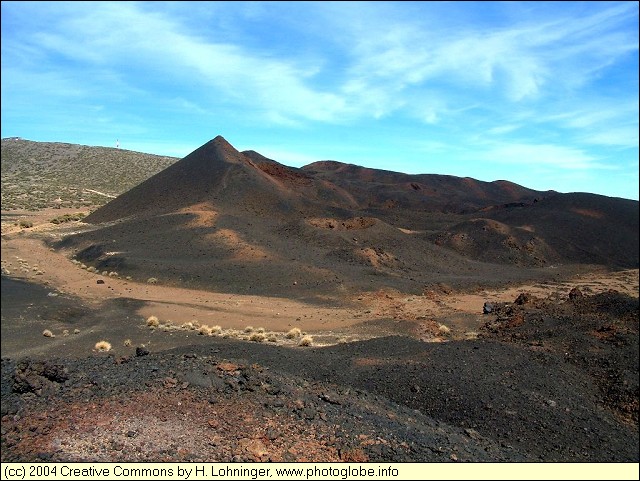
[239, 222]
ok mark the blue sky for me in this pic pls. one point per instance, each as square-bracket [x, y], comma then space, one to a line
[544, 94]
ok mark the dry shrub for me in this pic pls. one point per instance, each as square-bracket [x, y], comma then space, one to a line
[127, 342]
[152, 321]
[248, 329]
[306, 341]
[48, 333]
[257, 337]
[295, 332]
[102, 346]
[444, 330]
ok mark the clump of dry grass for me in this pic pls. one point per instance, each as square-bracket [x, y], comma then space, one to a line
[76, 331]
[306, 341]
[65, 332]
[113, 274]
[216, 330]
[127, 342]
[102, 346]
[187, 325]
[248, 329]
[444, 330]
[204, 330]
[293, 333]
[260, 329]
[152, 321]
[257, 337]
[48, 333]
[271, 337]
[152, 280]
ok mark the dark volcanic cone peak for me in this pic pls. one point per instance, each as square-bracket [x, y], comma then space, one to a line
[214, 154]
[223, 151]
[215, 173]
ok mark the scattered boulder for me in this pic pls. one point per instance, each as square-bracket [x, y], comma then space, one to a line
[575, 293]
[523, 298]
[38, 376]
[326, 398]
[487, 308]
[141, 351]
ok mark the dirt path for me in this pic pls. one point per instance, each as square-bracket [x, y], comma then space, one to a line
[25, 256]
[29, 258]
[100, 193]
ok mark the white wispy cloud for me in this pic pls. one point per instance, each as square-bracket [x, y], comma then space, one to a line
[521, 61]
[386, 60]
[503, 129]
[623, 136]
[124, 37]
[542, 155]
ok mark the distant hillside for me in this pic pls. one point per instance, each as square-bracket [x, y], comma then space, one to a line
[217, 173]
[37, 175]
[383, 189]
[239, 222]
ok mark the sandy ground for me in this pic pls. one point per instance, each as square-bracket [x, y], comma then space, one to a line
[167, 303]
[25, 256]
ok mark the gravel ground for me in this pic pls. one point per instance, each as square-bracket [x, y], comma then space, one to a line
[547, 380]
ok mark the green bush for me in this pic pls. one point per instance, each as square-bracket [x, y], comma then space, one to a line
[68, 218]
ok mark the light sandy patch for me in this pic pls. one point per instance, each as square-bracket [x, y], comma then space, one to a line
[459, 310]
[409, 231]
[589, 213]
[239, 248]
[173, 303]
[205, 216]
[41, 219]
